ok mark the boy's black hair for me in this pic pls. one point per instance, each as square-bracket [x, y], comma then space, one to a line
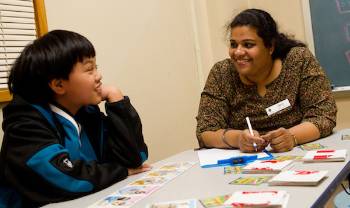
[267, 30]
[49, 57]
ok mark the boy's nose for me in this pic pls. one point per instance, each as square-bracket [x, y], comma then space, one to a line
[98, 76]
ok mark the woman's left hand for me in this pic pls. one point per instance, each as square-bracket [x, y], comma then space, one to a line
[281, 140]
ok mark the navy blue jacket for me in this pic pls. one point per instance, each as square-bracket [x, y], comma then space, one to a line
[44, 159]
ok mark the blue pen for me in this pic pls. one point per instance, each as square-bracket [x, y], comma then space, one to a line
[237, 160]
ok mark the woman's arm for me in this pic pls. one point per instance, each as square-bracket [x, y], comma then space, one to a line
[231, 138]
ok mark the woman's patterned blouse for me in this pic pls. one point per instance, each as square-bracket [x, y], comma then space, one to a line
[226, 101]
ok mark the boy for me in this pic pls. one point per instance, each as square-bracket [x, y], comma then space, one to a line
[57, 144]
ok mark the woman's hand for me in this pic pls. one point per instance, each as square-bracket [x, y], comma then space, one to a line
[111, 94]
[142, 168]
[246, 141]
[281, 140]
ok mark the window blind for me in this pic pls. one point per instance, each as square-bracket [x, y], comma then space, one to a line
[17, 29]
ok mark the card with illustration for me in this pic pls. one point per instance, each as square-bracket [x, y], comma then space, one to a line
[312, 146]
[117, 201]
[136, 190]
[233, 170]
[250, 180]
[164, 173]
[217, 201]
[150, 181]
[177, 166]
[190, 203]
[288, 157]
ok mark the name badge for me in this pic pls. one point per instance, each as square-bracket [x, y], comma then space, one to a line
[277, 107]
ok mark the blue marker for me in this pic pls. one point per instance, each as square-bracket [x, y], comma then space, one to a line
[238, 160]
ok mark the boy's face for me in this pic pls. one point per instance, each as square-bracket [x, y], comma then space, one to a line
[83, 86]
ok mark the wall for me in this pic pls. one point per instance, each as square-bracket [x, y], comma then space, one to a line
[159, 52]
[146, 48]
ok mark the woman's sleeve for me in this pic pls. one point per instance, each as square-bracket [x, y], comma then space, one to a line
[124, 134]
[213, 109]
[316, 99]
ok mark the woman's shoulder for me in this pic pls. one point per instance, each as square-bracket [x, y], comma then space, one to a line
[298, 53]
[223, 67]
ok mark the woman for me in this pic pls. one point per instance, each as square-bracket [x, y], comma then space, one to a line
[270, 78]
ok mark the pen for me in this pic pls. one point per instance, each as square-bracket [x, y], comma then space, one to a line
[251, 132]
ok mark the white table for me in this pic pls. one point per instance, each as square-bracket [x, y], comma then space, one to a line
[201, 183]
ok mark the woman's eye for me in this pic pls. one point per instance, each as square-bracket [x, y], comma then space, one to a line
[233, 45]
[249, 45]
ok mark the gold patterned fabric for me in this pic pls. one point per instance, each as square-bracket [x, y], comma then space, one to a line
[226, 101]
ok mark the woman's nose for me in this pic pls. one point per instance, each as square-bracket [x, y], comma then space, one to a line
[239, 51]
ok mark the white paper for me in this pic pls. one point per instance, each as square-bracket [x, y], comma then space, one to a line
[211, 156]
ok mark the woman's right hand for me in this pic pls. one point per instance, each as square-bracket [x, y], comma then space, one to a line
[143, 168]
[246, 141]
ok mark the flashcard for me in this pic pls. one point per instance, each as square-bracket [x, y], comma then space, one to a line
[311, 146]
[150, 181]
[116, 201]
[217, 201]
[177, 166]
[250, 180]
[268, 198]
[135, 190]
[164, 173]
[288, 157]
[190, 203]
[233, 170]
[298, 178]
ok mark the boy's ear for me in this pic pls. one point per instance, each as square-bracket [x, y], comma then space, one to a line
[57, 86]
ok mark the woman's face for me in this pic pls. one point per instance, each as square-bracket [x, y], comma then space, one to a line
[248, 52]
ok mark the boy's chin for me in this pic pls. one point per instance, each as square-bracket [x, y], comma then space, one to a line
[97, 101]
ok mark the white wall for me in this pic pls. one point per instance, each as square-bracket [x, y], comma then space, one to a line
[147, 49]
[159, 52]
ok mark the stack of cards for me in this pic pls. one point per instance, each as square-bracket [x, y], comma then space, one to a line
[325, 155]
[139, 189]
[259, 199]
[298, 178]
[266, 166]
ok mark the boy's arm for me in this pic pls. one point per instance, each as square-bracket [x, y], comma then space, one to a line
[41, 169]
[124, 129]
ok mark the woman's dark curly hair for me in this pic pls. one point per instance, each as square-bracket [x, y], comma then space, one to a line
[266, 28]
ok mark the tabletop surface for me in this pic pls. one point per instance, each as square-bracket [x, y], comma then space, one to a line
[199, 183]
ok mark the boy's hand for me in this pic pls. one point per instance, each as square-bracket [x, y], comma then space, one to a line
[111, 94]
[142, 168]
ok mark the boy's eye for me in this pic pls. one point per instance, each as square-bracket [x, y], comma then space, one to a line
[91, 67]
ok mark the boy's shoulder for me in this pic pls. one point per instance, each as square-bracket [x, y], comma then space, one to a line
[17, 106]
